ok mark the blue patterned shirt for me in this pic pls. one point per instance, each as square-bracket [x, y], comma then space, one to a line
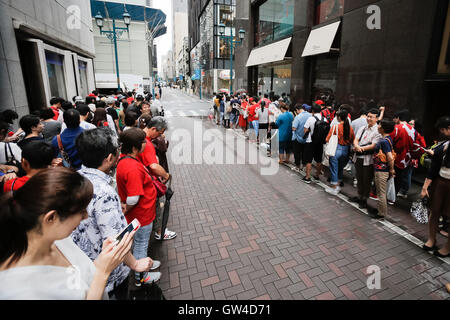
[105, 220]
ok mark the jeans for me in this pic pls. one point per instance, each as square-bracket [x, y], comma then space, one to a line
[256, 127]
[403, 179]
[140, 246]
[221, 117]
[337, 164]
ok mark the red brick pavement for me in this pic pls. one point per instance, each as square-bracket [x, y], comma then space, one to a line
[246, 236]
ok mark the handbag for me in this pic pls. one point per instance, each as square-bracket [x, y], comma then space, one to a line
[161, 188]
[66, 159]
[419, 211]
[331, 146]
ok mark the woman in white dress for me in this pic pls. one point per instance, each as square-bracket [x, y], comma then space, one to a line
[38, 260]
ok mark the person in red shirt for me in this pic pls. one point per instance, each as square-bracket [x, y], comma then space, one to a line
[136, 190]
[36, 156]
[251, 115]
[56, 106]
[155, 128]
[403, 138]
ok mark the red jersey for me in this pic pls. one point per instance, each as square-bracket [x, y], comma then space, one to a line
[252, 112]
[148, 157]
[403, 137]
[56, 112]
[15, 184]
[130, 100]
[134, 180]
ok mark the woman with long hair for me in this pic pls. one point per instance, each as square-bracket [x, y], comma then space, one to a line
[100, 119]
[345, 134]
[437, 184]
[38, 259]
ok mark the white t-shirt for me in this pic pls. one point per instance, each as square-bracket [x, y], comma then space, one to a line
[310, 124]
[85, 125]
[16, 151]
[336, 122]
[51, 282]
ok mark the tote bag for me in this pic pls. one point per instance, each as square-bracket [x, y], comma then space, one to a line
[331, 146]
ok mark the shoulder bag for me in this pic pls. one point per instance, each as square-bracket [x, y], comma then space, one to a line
[331, 146]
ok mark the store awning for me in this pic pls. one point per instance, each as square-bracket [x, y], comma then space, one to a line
[271, 53]
[321, 39]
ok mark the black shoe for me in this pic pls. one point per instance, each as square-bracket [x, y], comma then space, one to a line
[373, 213]
[341, 184]
[363, 205]
[426, 248]
[354, 199]
[439, 255]
[307, 181]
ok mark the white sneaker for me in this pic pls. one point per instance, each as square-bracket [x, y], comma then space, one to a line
[402, 195]
[148, 278]
[169, 235]
[333, 191]
[156, 264]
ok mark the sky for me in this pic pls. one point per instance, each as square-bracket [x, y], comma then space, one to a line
[164, 43]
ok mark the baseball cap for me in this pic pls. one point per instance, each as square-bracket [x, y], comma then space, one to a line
[307, 107]
[320, 102]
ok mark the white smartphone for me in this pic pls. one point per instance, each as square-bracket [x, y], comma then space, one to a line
[133, 226]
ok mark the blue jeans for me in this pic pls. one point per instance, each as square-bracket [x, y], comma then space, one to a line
[140, 245]
[256, 126]
[221, 117]
[337, 164]
[403, 179]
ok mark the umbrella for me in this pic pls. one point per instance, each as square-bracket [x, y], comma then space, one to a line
[241, 91]
[165, 217]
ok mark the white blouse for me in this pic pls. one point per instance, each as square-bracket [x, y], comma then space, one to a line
[51, 282]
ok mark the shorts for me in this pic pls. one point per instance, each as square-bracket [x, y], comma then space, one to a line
[285, 147]
[312, 152]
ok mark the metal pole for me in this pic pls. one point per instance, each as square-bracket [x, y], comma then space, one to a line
[201, 82]
[116, 54]
[231, 62]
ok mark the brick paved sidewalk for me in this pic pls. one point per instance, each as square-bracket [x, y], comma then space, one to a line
[245, 236]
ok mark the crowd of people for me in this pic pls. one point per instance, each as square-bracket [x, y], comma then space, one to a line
[72, 178]
[380, 153]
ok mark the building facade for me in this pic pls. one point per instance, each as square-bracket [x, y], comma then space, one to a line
[394, 52]
[209, 54]
[135, 49]
[47, 49]
[179, 34]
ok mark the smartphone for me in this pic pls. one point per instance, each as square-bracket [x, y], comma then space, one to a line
[133, 226]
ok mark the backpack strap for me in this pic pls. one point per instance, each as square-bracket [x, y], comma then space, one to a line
[14, 182]
[60, 145]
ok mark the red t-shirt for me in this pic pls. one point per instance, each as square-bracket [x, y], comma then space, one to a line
[252, 112]
[56, 112]
[18, 183]
[403, 138]
[148, 157]
[134, 180]
[130, 100]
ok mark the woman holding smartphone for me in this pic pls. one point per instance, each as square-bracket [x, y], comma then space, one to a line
[38, 259]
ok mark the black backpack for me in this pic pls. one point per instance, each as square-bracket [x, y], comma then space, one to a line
[321, 130]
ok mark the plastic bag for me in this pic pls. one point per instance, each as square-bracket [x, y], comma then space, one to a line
[419, 211]
[391, 194]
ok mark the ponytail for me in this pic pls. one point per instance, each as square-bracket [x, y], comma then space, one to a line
[343, 115]
[14, 226]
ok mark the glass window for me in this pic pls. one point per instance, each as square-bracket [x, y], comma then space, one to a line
[325, 76]
[226, 15]
[55, 71]
[275, 79]
[276, 20]
[328, 10]
[82, 67]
